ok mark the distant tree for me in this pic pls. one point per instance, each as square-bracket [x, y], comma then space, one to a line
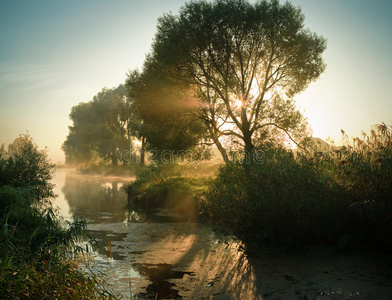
[244, 62]
[137, 125]
[110, 129]
[78, 146]
[165, 110]
[101, 127]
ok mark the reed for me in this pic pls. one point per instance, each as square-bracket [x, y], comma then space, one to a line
[37, 252]
[337, 196]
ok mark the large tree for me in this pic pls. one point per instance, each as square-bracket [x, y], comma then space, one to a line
[244, 62]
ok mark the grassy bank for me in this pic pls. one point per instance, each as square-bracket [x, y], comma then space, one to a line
[164, 186]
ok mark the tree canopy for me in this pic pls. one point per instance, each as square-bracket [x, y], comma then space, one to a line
[166, 109]
[243, 62]
[101, 127]
[222, 72]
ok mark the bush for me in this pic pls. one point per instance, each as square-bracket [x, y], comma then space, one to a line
[161, 186]
[280, 202]
[35, 249]
[24, 166]
[341, 195]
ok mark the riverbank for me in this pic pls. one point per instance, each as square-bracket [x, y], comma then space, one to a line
[37, 250]
[160, 251]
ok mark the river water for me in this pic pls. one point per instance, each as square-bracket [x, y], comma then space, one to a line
[157, 254]
[153, 253]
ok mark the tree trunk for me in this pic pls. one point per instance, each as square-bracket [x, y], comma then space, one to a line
[114, 159]
[142, 155]
[218, 144]
[249, 147]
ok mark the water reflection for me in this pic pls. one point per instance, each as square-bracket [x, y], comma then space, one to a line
[96, 200]
[174, 260]
[135, 215]
[154, 253]
[159, 274]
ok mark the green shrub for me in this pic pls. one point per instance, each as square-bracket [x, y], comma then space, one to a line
[341, 195]
[35, 249]
[156, 186]
[280, 202]
[25, 166]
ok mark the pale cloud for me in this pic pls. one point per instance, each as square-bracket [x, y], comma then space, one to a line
[25, 76]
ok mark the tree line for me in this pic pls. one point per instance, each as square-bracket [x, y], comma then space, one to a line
[220, 73]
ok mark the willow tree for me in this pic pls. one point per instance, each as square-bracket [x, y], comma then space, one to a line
[245, 63]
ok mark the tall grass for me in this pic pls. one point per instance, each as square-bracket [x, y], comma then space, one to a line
[278, 203]
[363, 169]
[340, 196]
[36, 251]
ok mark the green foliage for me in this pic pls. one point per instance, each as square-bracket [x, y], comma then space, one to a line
[166, 109]
[48, 277]
[279, 203]
[161, 186]
[78, 144]
[243, 63]
[338, 196]
[101, 128]
[35, 248]
[26, 167]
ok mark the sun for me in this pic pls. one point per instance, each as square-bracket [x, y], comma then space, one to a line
[238, 103]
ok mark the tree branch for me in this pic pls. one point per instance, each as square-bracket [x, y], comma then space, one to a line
[284, 130]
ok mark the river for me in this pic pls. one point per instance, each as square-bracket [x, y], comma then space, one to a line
[160, 255]
[153, 252]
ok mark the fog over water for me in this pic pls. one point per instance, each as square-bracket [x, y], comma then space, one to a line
[154, 251]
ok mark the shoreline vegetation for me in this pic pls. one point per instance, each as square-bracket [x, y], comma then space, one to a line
[292, 201]
[38, 253]
[320, 196]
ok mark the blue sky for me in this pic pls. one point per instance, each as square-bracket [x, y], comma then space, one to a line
[55, 54]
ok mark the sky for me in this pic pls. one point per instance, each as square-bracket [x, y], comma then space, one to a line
[56, 54]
